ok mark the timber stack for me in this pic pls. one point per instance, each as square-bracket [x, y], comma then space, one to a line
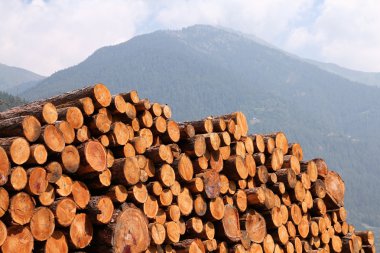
[86, 171]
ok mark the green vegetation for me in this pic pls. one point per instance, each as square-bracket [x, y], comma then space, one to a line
[8, 101]
[203, 70]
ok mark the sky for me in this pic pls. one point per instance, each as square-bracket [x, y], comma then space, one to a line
[45, 36]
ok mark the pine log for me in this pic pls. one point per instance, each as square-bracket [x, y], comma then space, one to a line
[37, 180]
[367, 237]
[38, 154]
[81, 194]
[239, 119]
[4, 201]
[72, 115]
[17, 148]
[295, 149]
[24, 126]
[254, 223]
[47, 197]
[3, 233]
[42, 223]
[19, 240]
[335, 187]
[157, 233]
[81, 231]
[118, 193]
[321, 167]
[64, 186]
[200, 205]
[53, 138]
[190, 246]
[235, 168]
[67, 131]
[268, 244]
[21, 208]
[18, 179]
[93, 157]
[57, 243]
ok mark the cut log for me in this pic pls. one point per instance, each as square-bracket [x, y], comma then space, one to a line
[93, 157]
[70, 159]
[150, 207]
[184, 167]
[194, 147]
[83, 134]
[335, 187]
[4, 201]
[321, 167]
[72, 115]
[17, 148]
[254, 223]
[81, 231]
[67, 131]
[190, 246]
[53, 138]
[239, 119]
[268, 244]
[64, 186]
[200, 205]
[38, 154]
[25, 126]
[37, 180]
[216, 209]
[47, 197]
[42, 223]
[4, 167]
[367, 237]
[19, 240]
[100, 209]
[21, 208]
[118, 193]
[185, 202]
[17, 179]
[57, 243]
[296, 150]
[81, 194]
[235, 168]
[3, 233]
[276, 160]
[288, 177]
[201, 126]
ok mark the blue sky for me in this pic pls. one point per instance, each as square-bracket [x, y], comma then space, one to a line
[46, 36]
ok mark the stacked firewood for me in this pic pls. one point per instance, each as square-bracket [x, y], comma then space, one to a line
[86, 171]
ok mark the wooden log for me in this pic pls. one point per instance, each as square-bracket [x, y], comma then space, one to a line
[303, 227]
[70, 159]
[194, 147]
[24, 126]
[287, 176]
[64, 186]
[255, 225]
[64, 211]
[268, 244]
[281, 235]
[81, 194]
[215, 210]
[93, 157]
[72, 115]
[211, 181]
[240, 200]
[172, 133]
[138, 193]
[19, 240]
[81, 231]
[255, 196]
[318, 189]
[118, 193]
[270, 145]
[166, 197]
[85, 104]
[42, 223]
[53, 138]
[100, 209]
[37, 181]
[46, 113]
[150, 207]
[335, 187]
[4, 201]
[295, 149]
[5, 167]
[166, 175]
[17, 148]
[18, 179]
[276, 160]
[230, 225]
[194, 226]
[281, 141]
[184, 167]
[186, 131]
[235, 168]
[185, 202]
[131, 97]
[3, 233]
[367, 237]
[100, 123]
[21, 208]
[200, 205]
[238, 149]
[54, 172]
[201, 126]
[47, 197]
[321, 167]
[172, 232]
[67, 131]
[38, 154]
[190, 246]
[57, 243]
[239, 119]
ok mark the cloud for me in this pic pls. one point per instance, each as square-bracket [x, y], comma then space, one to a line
[345, 32]
[47, 35]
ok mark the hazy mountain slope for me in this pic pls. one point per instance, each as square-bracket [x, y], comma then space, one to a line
[13, 80]
[7, 101]
[203, 70]
[369, 78]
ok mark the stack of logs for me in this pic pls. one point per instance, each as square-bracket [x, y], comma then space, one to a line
[86, 171]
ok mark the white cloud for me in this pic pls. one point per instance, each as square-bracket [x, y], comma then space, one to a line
[345, 32]
[45, 36]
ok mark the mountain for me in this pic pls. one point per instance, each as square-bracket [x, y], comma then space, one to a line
[369, 78]
[16, 80]
[203, 70]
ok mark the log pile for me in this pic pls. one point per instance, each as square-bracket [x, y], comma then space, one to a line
[86, 171]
